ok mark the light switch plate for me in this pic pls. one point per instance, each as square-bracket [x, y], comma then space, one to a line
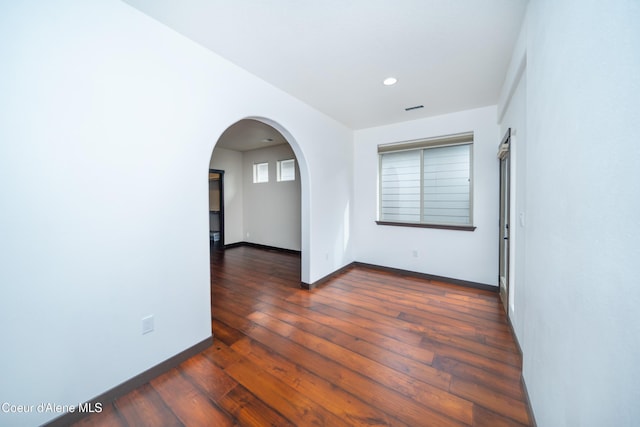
[147, 324]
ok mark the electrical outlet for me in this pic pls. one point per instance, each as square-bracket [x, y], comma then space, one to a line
[414, 253]
[147, 324]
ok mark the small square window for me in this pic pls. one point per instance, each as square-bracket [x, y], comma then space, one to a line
[287, 170]
[260, 172]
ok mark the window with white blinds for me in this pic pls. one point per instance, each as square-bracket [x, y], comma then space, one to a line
[427, 182]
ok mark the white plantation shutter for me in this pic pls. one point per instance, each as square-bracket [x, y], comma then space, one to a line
[446, 190]
[400, 185]
[428, 181]
[287, 170]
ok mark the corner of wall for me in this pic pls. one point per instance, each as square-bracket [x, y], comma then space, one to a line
[515, 70]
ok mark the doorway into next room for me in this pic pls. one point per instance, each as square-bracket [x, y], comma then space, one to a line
[216, 209]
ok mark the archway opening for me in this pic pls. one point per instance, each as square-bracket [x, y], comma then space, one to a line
[265, 193]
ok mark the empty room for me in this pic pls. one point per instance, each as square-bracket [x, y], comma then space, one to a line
[339, 213]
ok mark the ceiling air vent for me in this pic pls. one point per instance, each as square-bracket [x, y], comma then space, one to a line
[413, 108]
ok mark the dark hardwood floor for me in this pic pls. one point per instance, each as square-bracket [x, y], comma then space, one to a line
[368, 348]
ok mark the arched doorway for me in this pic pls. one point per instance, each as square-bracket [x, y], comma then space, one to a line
[266, 187]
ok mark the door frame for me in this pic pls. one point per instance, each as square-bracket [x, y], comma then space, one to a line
[221, 173]
[504, 155]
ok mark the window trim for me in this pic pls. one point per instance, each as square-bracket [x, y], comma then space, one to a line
[466, 138]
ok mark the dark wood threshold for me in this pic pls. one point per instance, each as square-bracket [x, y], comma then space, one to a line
[133, 383]
[442, 227]
[426, 276]
[265, 247]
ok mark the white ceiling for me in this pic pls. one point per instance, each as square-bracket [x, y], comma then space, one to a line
[448, 55]
[248, 135]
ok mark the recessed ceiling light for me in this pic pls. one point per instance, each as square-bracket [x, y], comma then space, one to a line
[389, 81]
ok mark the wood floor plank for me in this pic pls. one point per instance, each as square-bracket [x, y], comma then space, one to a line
[389, 327]
[342, 322]
[231, 319]
[424, 393]
[487, 351]
[372, 350]
[391, 402]
[334, 399]
[295, 406]
[371, 298]
[189, 404]
[485, 397]
[144, 406]
[221, 355]
[207, 376]
[483, 417]
[250, 411]
[410, 331]
[224, 333]
[506, 386]
[394, 323]
[494, 366]
[403, 294]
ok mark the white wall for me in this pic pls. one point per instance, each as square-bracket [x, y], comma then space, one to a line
[108, 121]
[577, 314]
[463, 255]
[231, 162]
[266, 213]
[272, 209]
